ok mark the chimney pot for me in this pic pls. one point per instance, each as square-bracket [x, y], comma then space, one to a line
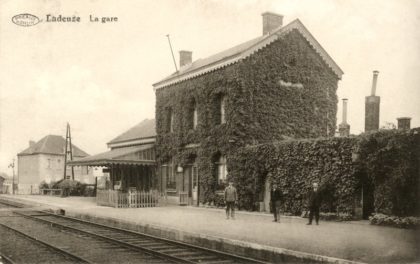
[375, 79]
[185, 57]
[344, 128]
[345, 111]
[271, 21]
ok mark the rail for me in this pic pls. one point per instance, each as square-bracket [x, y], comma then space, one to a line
[170, 250]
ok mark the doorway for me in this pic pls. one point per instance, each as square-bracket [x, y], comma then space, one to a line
[191, 185]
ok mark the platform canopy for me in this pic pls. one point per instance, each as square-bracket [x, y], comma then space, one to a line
[136, 155]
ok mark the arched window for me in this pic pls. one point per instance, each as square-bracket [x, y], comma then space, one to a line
[192, 115]
[195, 116]
[222, 110]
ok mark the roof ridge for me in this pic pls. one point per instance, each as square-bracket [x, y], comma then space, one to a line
[43, 143]
[235, 56]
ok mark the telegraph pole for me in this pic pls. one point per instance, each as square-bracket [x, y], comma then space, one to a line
[68, 153]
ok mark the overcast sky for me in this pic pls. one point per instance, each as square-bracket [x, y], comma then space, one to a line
[98, 77]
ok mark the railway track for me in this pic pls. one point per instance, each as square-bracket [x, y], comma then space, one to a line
[119, 244]
[34, 251]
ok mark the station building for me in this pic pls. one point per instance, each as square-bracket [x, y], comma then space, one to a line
[280, 84]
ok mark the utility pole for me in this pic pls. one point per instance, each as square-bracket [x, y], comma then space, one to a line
[68, 153]
[12, 165]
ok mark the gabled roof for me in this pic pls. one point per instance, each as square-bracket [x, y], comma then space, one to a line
[242, 51]
[144, 129]
[115, 156]
[52, 144]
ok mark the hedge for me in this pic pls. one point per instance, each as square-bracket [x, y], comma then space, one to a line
[391, 160]
[386, 159]
[294, 165]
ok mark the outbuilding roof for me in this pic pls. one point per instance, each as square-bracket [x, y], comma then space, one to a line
[144, 129]
[115, 156]
[52, 144]
[242, 51]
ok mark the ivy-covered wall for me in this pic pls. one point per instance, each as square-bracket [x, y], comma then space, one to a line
[294, 165]
[384, 165]
[391, 160]
[285, 89]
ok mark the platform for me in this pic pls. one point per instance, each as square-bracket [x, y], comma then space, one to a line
[251, 233]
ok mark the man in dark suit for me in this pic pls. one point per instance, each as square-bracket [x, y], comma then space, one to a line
[276, 199]
[314, 202]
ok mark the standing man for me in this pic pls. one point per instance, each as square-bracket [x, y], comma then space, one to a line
[313, 203]
[230, 199]
[276, 199]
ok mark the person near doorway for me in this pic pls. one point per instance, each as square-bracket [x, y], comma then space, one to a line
[276, 200]
[230, 199]
[314, 202]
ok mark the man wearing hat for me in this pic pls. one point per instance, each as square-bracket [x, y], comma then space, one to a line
[230, 199]
[314, 202]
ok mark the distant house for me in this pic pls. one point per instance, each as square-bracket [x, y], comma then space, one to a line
[130, 161]
[44, 161]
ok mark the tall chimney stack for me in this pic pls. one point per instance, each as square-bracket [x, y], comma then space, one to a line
[344, 128]
[271, 21]
[372, 108]
[185, 57]
[404, 122]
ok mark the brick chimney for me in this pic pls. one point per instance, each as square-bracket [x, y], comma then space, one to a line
[271, 21]
[185, 57]
[404, 122]
[344, 128]
[372, 104]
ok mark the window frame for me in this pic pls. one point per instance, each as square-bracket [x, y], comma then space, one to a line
[222, 172]
[170, 177]
[222, 109]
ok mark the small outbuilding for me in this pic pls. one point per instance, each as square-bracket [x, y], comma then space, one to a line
[130, 163]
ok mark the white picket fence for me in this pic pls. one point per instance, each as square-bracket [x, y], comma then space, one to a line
[137, 199]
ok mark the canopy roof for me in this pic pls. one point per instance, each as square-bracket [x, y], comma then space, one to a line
[126, 156]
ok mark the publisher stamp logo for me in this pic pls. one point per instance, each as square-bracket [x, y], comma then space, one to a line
[25, 20]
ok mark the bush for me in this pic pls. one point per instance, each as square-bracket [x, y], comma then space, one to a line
[395, 221]
[330, 216]
[44, 185]
[391, 160]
